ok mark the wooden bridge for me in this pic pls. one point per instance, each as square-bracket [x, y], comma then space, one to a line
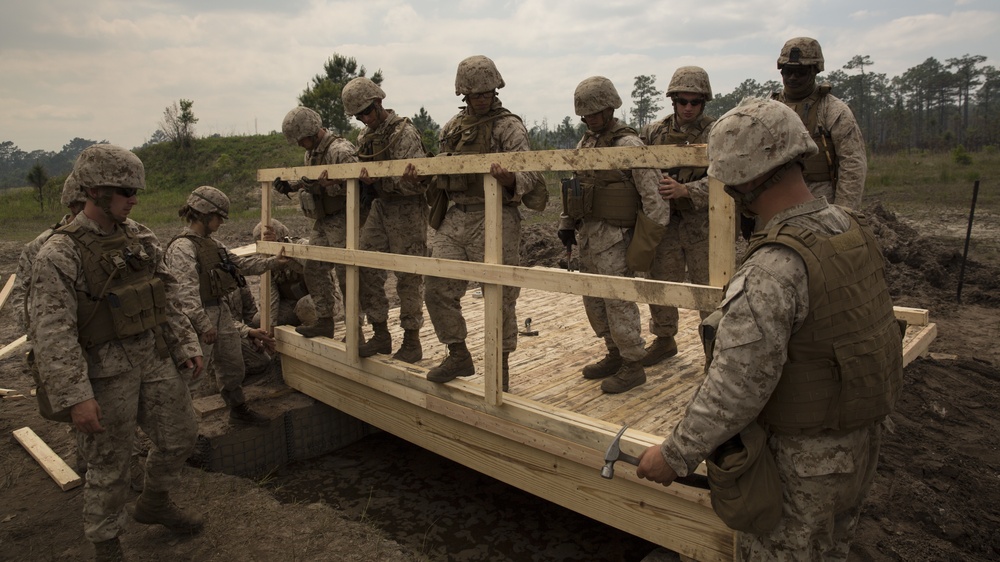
[548, 435]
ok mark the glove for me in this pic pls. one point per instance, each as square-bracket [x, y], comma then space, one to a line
[282, 187]
[567, 236]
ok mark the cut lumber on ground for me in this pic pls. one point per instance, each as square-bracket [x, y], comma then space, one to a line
[64, 476]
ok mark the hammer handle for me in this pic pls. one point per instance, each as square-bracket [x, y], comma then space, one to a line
[694, 480]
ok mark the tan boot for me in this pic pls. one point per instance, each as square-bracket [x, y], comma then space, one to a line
[410, 351]
[109, 551]
[381, 342]
[661, 348]
[155, 508]
[631, 375]
[324, 326]
[606, 367]
[457, 364]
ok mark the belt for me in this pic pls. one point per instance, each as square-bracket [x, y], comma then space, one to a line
[211, 302]
[477, 207]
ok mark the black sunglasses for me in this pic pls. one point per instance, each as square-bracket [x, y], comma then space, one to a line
[127, 192]
[682, 101]
[365, 111]
[789, 71]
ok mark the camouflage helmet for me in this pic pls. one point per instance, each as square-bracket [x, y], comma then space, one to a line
[690, 79]
[359, 93]
[280, 230]
[208, 200]
[107, 165]
[754, 138]
[477, 74]
[300, 123]
[594, 94]
[71, 192]
[803, 51]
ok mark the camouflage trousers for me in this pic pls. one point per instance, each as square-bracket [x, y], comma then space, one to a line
[616, 321]
[255, 361]
[824, 482]
[154, 396]
[397, 227]
[682, 255]
[461, 237]
[224, 358]
[326, 291]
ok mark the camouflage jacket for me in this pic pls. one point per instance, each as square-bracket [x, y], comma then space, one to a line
[332, 149]
[693, 133]
[394, 139]
[22, 277]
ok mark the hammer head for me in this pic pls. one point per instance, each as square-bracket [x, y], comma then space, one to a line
[612, 455]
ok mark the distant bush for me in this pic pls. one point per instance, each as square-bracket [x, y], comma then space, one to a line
[961, 156]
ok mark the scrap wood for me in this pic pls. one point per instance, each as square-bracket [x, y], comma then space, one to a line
[7, 289]
[12, 346]
[64, 476]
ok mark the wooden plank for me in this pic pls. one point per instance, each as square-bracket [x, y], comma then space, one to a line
[919, 344]
[246, 250]
[60, 472]
[11, 347]
[8, 287]
[721, 235]
[613, 158]
[913, 316]
[639, 507]
[683, 295]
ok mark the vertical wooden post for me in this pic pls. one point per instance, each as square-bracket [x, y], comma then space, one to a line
[351, 306]
[722, 234]
[493, 294]
[264, 306]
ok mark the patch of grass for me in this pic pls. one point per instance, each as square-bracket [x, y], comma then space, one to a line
[921, 179]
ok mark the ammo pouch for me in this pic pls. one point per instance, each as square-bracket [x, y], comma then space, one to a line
[222, 282]
[438, 200]
[129, 311]
[746, 487]
[577, 199]
[319, 205]
[642, 248]
[44, 404]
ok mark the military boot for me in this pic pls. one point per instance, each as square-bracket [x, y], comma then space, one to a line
[381, 342]
[243, 415]
[661, 348]
[631, 375]
[410, 351]
[505, 367]
[323, 327]
[155, 508]
[109, 551]
[457, 364]
[606, 367]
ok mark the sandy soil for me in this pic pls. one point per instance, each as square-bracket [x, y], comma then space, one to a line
[935, 498]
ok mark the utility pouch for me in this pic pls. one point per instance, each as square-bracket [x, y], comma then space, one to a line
[438, 200]
[642, 248]
[746, 487]
[45, 407]
[307, 203]
[578, 199]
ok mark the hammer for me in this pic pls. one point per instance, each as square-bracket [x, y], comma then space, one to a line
[615, 454]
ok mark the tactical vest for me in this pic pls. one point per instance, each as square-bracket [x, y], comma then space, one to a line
[217, 275]
[845, 364]
[472, 135]
[607, 195]
[123, 297]
[323, 204]
[376, 146]
[666, 133]
[822, 166]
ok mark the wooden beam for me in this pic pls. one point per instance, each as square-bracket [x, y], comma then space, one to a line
[683, 295]
[11, 347]
[913, 316]
[722, 235]
[920, 343]
[613, 158]
[64, 476]
[8, 287]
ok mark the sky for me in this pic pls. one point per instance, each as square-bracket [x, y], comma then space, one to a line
[107, 69]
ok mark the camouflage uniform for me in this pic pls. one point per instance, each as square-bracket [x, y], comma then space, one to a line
[23, 274]
[684, 246]
[825, 474]
[224, 356]
[129, 379]
[243, 309]
[602, 250]
[330, 230]
[835, 116]
[461, 235]
[397, 223]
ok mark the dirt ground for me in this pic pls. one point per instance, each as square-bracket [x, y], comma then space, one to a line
[935, 498]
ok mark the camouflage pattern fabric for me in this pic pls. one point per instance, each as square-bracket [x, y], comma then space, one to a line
[397, 223]
[330, 230]
[852, 162]
[826, 475]
[129, 380]
[22, 276]
[684, 248]
[602, 250]
[243, 310]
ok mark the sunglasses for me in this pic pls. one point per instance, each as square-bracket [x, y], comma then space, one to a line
[481, 95]
[684, 102]
[127, 192]
[789, 71]
[365, 111]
